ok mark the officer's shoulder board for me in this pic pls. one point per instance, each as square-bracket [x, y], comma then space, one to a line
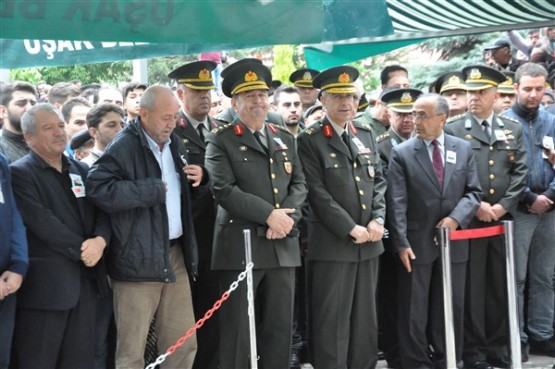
[456, 117]
[310, 130]
[507, 119]
[362, 125]
[382, 137]
[280, 127]
[221, 128]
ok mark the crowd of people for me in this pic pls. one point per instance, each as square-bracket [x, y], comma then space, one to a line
[123, 210]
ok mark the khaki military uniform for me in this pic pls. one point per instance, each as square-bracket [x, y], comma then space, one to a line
[502, 171]
[366, 119]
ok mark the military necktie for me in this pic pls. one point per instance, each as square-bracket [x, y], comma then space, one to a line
[347, 141]
[256, 135]
[201, 131]
[485, 125]
[437, 162]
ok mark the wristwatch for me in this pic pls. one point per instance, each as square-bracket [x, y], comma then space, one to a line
[379, 220]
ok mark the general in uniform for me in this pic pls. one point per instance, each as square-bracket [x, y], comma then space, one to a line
[497, 143]
[347, 201]
[258, 184]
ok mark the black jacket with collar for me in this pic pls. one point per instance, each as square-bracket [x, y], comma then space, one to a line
[57, 223]
[126, 182]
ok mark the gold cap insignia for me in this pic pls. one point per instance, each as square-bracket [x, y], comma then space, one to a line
[307, 76]
[251, 76]
[454, 80]
[406, 98]
[475, 74]
[204, 74]
[509, 81]
[344, 78]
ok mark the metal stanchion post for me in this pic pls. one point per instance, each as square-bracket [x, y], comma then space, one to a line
[445, 247]
[512, 297]
[250, 299]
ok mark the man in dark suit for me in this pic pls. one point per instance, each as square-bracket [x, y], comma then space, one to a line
[498, 146]
[432, 182]
[193, 124]
[259, 185]
[56, 305]
[399, 103]
[347, 201]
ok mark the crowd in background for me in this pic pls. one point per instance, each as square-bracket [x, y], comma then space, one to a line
[122, 212]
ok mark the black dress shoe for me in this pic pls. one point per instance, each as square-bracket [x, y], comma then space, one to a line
[295, 362]
[523, 352]
[545, 348]
[479, 365]
[500, 362]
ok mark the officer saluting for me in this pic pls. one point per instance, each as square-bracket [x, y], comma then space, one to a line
[346, 196]
[497, 143]
[258, 184]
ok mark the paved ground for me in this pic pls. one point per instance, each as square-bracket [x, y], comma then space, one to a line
[535, 362]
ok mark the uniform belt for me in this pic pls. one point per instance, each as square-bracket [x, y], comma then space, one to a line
[174, 242]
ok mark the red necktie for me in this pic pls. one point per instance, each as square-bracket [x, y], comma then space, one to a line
[437, 162]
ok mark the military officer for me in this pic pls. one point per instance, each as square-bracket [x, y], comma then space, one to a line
[399, 103]
[451, 86]
[507, 94]
[339, 160]
[497, 143]
[230, 114]
[258, 184]
[302, 79]
[194, 89]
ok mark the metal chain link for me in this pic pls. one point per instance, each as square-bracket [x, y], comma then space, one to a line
[160, 359]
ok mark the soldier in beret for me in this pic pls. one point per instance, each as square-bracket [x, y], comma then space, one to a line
[194, 88]
[497, 143]
[302, 79]
[451, 86]
[507, 94]
[346, 197]
[258, 184]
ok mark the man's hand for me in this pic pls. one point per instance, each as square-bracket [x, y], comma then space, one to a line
[485, 213]
[92, 250]
[194, 174]
[280, 223]
[273, 235]
[541, 205]
[406, 256]
[550, 153]
[499, 211]
[9, 283]
[359, 234]
[375, 231]
[448, 222]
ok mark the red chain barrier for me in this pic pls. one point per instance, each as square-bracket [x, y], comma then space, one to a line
[198, 324]
[465, 234]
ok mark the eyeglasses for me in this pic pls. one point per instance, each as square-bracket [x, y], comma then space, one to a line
[423, 116]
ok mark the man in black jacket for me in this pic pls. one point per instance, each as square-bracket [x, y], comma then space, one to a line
[142, 181]
[56, 306]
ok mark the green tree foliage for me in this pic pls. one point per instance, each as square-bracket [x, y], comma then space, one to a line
[283, 62]
[111, 73]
